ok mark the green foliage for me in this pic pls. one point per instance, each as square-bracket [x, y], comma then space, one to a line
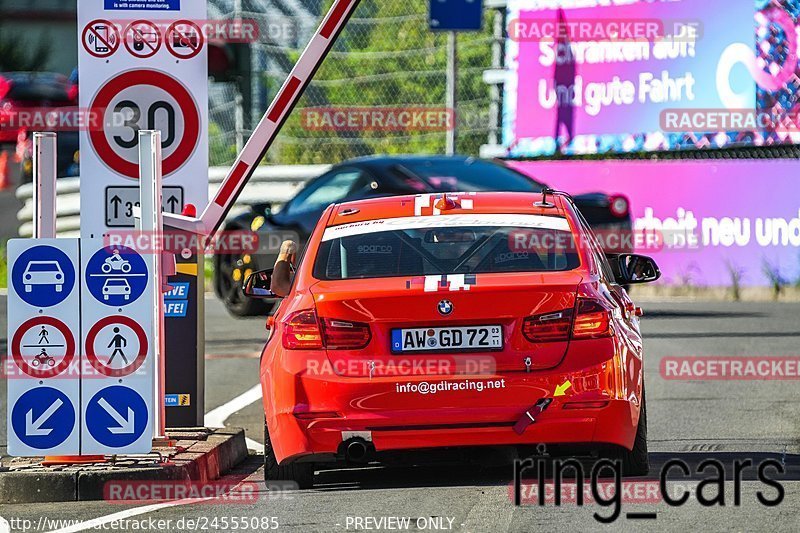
[388, 57]
[15, 56]
[221, 146]
[3, 267]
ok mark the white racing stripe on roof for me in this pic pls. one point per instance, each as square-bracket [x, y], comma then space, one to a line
[449, 221]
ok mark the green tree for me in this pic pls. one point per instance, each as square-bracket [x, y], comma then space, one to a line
[15, 55]
[387, 56]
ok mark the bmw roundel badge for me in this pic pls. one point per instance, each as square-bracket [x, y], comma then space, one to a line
[445, 307]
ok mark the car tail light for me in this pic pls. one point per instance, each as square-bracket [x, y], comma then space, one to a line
[619, 206]
[5, 87]
[589, 320]
[549, 327]
[304, 331]
[301, 331]
[345, 335]
[592, 320]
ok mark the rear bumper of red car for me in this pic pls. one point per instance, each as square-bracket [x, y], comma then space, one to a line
[311, 416]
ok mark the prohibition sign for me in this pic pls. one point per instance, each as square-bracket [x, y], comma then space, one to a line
[191, 40]
[142, 39]
[102, 367]
[43, 372]
[100, 38]
[191, 120]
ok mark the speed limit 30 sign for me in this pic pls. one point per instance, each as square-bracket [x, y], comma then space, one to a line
[144, 99]
[144, 85]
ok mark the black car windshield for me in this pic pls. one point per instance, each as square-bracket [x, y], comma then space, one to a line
[452, 244]
[463, 175]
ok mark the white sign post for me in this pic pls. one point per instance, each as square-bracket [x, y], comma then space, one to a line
[141, 69]
[152, 225]
[44, 185]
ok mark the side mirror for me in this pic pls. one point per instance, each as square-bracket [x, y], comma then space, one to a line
[257, 285]
[632, 268]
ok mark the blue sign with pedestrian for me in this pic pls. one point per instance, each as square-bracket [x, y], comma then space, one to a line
[116, 416]
[456, 15]
[43, 418]
[43, 276]
[116, 276]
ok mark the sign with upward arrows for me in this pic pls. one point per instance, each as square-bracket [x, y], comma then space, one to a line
[120, 202]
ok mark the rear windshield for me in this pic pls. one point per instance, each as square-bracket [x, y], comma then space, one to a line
[451, 244]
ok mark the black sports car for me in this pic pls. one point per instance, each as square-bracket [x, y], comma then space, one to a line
[380, 176]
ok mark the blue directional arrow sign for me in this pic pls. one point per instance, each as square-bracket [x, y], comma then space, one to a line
[43, 418]
[116, 416]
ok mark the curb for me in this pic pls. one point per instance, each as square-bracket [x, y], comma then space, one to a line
[205, 457]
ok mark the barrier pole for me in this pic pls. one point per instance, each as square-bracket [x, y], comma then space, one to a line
[271, 123]
[44, 185]
[152, 224]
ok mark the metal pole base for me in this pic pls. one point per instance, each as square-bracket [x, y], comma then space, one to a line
[52, 460]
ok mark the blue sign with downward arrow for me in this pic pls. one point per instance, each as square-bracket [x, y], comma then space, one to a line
[43, 418]
[116, 416]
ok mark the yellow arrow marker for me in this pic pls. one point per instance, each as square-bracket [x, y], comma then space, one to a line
[561, 389]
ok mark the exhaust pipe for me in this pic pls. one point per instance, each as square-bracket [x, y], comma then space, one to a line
[357, 450]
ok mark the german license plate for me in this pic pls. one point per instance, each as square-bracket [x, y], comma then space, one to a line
[447, 339]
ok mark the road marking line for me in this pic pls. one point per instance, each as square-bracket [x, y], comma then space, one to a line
[98, 523]
[216, 417]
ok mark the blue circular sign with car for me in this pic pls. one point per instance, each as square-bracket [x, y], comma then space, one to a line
[43, 276]
[116, 276]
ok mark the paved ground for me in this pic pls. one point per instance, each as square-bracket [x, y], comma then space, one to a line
[693, 421]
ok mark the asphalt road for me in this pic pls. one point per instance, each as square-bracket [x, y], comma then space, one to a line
[691, 421]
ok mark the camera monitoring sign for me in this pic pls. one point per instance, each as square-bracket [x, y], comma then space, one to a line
[143, 66]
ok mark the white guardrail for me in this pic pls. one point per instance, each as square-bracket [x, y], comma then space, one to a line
[275, 184]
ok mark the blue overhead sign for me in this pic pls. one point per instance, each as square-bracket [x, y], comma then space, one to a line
[43, 418]
[456, 15]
